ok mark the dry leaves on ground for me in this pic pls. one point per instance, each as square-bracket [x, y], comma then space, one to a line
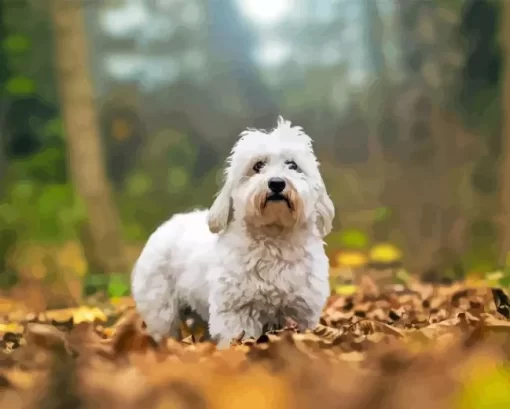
[418, 347]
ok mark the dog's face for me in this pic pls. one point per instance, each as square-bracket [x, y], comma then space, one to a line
[273, 190]
[273, 180]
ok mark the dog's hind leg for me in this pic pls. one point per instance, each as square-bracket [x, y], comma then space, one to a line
[195, 323]
[154, 293]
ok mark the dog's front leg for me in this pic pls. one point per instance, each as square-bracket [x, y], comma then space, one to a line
[304, 312]
[226, 325]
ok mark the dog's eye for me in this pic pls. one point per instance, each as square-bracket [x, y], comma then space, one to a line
[292, 165]
[258, 166]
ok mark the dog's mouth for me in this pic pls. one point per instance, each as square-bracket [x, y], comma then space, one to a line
[277, 197]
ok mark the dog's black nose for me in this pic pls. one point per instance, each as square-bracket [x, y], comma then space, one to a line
[276, 185]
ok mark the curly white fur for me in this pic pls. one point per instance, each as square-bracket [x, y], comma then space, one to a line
[248, 262]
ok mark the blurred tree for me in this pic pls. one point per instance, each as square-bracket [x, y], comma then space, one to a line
[123, 133]
[479, 85]
[4, 75]
[86, 161]
[478, 102]
[231, 45]
[505, 149]
[380, 109]
[478, 97]
[31, 151]
[7, 236]
[30, 95]
[27, 95]
[430, 60]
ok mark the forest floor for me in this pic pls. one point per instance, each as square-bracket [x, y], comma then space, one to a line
[415, 346]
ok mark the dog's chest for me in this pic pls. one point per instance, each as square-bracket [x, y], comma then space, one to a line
[274, 275]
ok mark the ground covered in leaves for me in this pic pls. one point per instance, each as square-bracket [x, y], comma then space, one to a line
[419, 346]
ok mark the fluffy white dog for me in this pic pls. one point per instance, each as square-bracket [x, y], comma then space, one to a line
[256, 257]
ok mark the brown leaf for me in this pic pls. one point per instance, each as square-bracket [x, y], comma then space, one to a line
[130, 336]
[494, 323]
[435, 330]
[353, 356]
[46, 337]
[368, 288]
[84, 335]
[333, 335]
[389, 329]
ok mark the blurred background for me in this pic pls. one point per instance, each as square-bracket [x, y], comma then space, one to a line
[116, 114]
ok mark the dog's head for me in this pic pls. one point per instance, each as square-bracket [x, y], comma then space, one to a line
[273, 179]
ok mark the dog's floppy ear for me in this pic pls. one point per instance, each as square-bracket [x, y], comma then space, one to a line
[325, 211]
[221, 210]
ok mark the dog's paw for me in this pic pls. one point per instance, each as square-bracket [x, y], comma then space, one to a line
[223, 344]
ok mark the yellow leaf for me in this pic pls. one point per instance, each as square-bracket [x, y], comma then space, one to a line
[11, 327]
[385, 253]
[81, 314]
[345, 289]
[85, 314]
[495, 275]
[351, 259]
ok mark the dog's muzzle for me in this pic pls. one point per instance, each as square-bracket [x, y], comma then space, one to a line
[277, 197]
[276, 187]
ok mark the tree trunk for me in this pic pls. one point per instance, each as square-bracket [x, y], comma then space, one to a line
[505, 148]
[379, 70]
[4, 104]
[85, 155]
[231, 43]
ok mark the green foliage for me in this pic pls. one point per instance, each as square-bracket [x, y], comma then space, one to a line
[8, 279]
[47, 166]
[141, 213]
[505, 280]
[480, 258]
[138, 184]
[32, 66]
[354, 239]
[8, 238]
[53, 131]
[484, 230]
[163, 185]
[382, 214]
[183, 152]
[483, 253]
[348, 239]
[181, 160]
[482, 111]
[17, 44]
[119, 285]
[45, 212]
[454, 6]
[20, 86]
[115, 284]
[178, 179]
[95, 283]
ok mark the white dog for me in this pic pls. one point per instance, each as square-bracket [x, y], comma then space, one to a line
[256, 257]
